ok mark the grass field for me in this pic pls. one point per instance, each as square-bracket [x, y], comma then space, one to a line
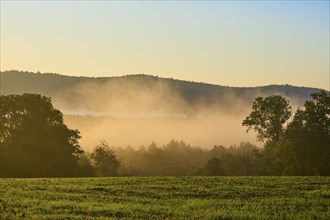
[166, 198]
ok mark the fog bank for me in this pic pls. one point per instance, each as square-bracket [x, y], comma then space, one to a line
[139, 110]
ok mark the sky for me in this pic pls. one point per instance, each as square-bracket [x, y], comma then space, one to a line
[234, 43]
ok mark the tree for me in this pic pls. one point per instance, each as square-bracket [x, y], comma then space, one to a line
[105, 160]
[85, 165]
[305, 148]
[213, 167]
[268, 116]
[34, 141]
[267, 119]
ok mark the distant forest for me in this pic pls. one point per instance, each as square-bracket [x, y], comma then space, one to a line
[35, 142]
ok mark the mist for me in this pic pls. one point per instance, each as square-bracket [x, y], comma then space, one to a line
[137, 111]
[203, 131]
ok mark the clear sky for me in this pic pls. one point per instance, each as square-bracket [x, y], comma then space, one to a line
[235, 43]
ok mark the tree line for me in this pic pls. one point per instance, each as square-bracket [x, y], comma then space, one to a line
[176, 158]
[35, 142]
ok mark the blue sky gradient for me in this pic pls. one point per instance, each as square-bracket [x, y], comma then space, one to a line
[236, 43]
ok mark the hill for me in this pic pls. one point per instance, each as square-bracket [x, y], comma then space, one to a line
[67, 89]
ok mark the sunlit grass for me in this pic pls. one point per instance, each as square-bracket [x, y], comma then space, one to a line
[166, 198]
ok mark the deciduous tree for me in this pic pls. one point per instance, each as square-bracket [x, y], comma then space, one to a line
[105, 160]
[268, 116]
[305, 148]
[34, 141]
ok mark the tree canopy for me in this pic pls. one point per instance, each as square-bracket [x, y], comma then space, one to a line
[307, 138]
[303, 147]
[34, 141]
[268, 116]
[105, 160]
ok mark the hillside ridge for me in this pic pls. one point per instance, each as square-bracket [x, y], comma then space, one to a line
[45, 83]
[141, 75]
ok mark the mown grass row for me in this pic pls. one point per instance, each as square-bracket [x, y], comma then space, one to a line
[166, 198]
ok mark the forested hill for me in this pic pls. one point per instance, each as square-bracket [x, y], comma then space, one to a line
[50, 84]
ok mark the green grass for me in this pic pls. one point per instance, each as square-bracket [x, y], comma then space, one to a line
[166, 198]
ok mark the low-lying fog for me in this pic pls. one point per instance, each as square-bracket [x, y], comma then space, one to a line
[199, 131]
[136, 113]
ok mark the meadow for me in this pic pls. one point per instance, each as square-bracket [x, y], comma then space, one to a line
[166, 198]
